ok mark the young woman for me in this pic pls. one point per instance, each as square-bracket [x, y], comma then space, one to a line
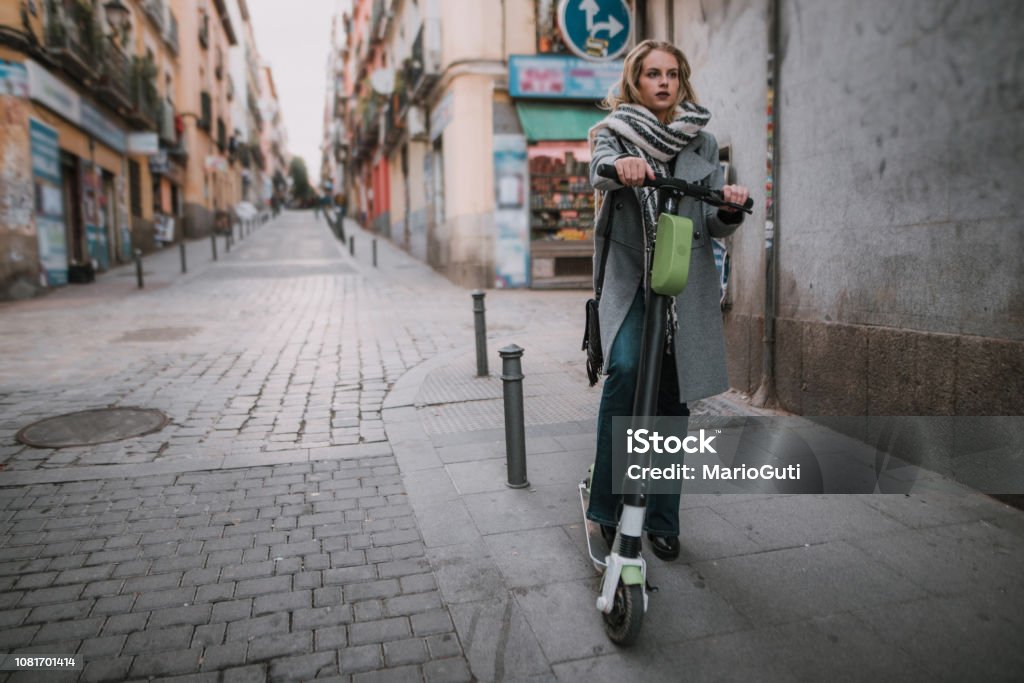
[655, 129]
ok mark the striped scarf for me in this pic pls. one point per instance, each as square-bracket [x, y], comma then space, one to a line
[643, 135]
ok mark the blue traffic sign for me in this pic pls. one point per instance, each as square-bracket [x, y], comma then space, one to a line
[595, 29]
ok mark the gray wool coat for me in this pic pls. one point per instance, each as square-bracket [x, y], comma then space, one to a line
[699, 339]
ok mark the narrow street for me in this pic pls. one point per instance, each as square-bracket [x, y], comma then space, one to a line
[328, 500]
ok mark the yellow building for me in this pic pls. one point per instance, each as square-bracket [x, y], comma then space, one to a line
[203, 94]
[87, 89]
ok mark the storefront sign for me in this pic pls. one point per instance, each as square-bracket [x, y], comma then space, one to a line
[561, 77]
[216, 163]
[96, 242]
[48, 90]
[595, 29]
[13, 79]
[102, 129]
[159, 163]
[53, 251]
[512, 234]
[143, 143]
[441, 116]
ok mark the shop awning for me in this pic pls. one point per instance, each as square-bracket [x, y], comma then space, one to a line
[557, 121]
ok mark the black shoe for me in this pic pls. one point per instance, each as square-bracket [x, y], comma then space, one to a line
[608, 534]
[664, 547]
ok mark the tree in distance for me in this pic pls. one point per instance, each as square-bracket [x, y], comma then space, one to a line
[302, 191]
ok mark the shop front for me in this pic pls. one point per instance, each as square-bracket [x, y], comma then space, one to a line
[556, 100]
[85, 168]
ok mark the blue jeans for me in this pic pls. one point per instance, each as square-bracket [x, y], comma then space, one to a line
[623, 360]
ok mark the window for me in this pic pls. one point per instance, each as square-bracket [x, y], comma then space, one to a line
[206, 111]
[222, 142]
[135, 187]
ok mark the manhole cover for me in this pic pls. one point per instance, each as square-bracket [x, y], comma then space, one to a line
[90, 427]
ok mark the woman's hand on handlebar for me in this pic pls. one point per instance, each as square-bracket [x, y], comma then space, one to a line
[633, 170]
[735, 194]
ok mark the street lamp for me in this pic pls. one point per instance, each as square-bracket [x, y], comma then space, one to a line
[118, 16]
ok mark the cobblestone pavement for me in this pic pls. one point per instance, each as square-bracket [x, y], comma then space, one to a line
[265, 531]
[329, 500]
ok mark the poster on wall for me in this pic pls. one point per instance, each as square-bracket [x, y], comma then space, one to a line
[95, 228]
[124, 230]
[16, 182]
[53, 249]
[512, 234]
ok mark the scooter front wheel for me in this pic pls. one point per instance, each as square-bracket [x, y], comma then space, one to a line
[623, 623]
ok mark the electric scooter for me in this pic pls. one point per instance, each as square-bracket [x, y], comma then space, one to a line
[624, 587]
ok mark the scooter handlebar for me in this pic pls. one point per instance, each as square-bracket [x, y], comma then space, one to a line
[704, 194]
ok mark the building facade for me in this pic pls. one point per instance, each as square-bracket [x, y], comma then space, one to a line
[273, 140]
[868, 281]
[119, 132]
[453, 138]
[205, 93]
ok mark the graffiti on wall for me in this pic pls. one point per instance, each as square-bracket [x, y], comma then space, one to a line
[16, 194]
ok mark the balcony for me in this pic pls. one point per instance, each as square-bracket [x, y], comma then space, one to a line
[394, 119]
[115, 81]
[168, 132]
[206, 111]
[171, 34]
[154, 9]
[258, 159]
[204, 30]
[378, 23]
[423, 67]
[74, 36]
[178, 151]
[222, 136]
[145, 99]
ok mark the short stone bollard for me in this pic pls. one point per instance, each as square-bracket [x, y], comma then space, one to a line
[374, 252]
[138, 268]
[213, 244]
[184, 263]
[352, 245]
[480, 324]
[515, 429]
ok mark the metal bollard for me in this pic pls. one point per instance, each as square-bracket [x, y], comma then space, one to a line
[213, 244]
[374, 252]
[515, 430]
[352, 246]
[480, 322]
[138, 268]
[184, 263]
[227, 243]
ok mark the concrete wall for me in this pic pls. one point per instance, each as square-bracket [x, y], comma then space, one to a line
[900, 242]
[469, 182]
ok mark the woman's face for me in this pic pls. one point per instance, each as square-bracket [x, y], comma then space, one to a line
[659, 84]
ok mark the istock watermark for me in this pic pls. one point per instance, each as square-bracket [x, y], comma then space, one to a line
[640, 440]
[860, 454]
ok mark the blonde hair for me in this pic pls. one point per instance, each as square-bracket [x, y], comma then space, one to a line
[626, 91]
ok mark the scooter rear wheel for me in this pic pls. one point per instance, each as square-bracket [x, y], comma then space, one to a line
[623, 623]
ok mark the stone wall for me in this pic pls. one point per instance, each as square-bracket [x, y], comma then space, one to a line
[900, 283]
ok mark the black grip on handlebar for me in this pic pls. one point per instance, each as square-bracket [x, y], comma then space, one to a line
[608, 171]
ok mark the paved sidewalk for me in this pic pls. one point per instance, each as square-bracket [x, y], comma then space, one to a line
[329, 501]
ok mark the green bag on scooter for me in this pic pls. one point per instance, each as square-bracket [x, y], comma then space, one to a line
[671, 266]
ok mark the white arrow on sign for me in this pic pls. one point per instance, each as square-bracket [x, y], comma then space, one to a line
[613, 26]
[591, 8]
